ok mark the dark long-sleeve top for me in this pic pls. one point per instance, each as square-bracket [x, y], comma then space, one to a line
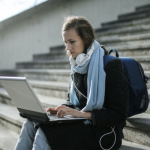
[114, 112]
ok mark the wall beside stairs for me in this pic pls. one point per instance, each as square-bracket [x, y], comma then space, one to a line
[39, 28]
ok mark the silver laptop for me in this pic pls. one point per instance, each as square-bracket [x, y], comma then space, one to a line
[28, 104]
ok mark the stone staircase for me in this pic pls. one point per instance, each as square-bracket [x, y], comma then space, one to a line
[49, 76]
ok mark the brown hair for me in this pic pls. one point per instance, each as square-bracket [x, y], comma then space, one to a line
[82, 27]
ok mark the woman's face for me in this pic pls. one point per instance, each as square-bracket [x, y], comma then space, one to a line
[74, 44]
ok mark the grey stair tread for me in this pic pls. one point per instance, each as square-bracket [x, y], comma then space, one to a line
[128, 17]
[11, 114]
[50, 56]
[48, 71]
[124, 30]
[49, 84]
[142, 7]
[46, 61]
[53, 53]
[147, 72]
[141, 58]
[118, 23]
[129, 47]
[45, 64]
[50, 101]
[45, 100]
[8, 138]
[134, 15]
[118, 38]
[124, 42]
[140, 121]
[57, 48]
[44, 71]
[126, 145]
[50, 53]
[3, 92]
[57, 75]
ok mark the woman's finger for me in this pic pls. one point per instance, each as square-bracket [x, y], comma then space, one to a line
[50, 109]
[59, 107]
[62, 111]
[53, 112]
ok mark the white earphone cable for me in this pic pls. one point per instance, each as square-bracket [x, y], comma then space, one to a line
[113, 130]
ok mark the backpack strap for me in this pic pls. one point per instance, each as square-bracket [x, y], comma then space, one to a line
[117, 55]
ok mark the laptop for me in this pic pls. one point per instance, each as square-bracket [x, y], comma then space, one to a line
[28, 104]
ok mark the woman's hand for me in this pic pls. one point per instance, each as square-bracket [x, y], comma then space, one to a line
[75, 113]
[52, 110]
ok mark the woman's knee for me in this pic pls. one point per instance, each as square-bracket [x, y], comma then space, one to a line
[28, 125]
[40, 141]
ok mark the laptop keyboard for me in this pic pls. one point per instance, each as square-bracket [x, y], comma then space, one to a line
[53, 116]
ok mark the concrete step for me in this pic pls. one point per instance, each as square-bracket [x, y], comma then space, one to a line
[139, 11]
[118, 23]
[134, 15]
[126, 145]
[49, 88]
[7, 136]
[14, 122]
[57, 48]
[127, 30]
[143, 8]
[138, 129]
[129, 17]
[133, 50]
[123, 39]
[124, 43]
[45, 64]
[51, 56]
[10, 118]
[56, 75]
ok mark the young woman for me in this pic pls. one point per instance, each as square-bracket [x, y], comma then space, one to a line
[97, 93]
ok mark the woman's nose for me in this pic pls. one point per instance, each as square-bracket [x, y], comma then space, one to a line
[68, 46]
